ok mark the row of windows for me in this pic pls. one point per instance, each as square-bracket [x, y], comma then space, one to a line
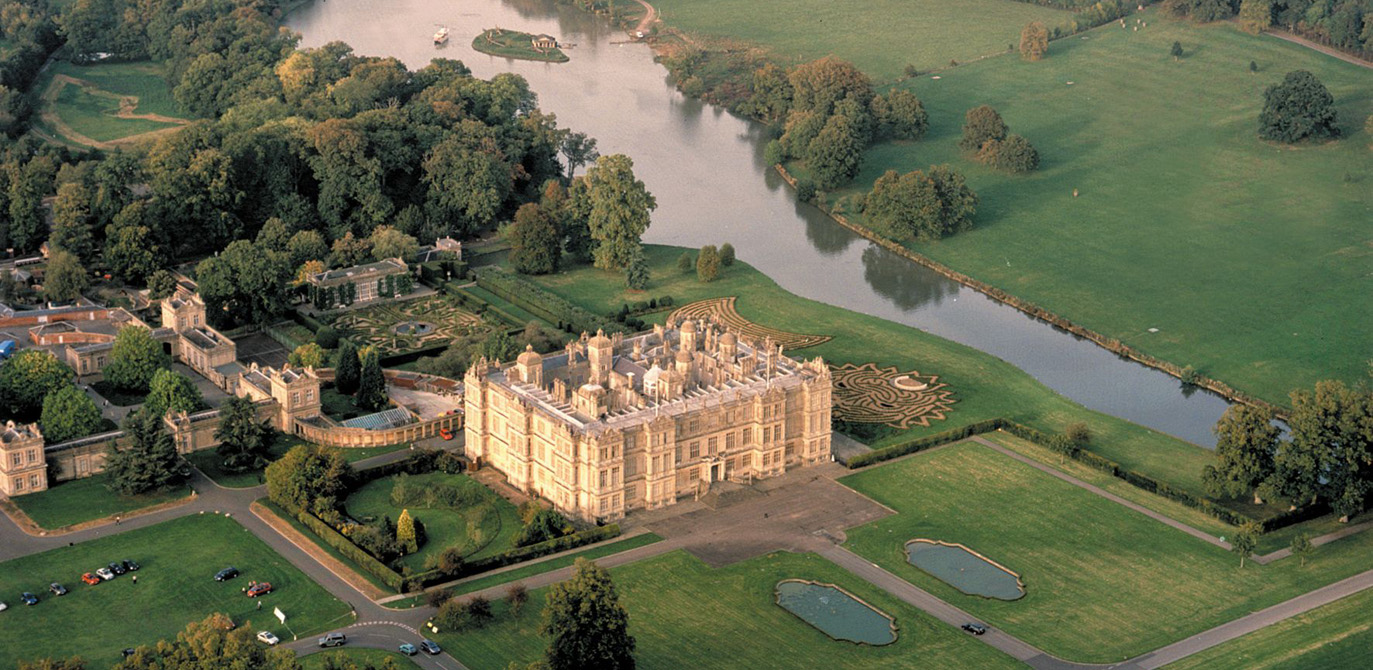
[34, 482]
[18, 458]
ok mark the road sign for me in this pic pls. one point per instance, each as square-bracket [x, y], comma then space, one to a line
[280, 614]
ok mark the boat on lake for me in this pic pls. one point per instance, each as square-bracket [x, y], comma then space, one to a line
[441, 37]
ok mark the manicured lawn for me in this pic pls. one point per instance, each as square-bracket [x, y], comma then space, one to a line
[555, 563]
[880, 36]
[480, 530]
[145, 80]
[92, 113]
[1338, 635]
[1103, 583]
[208, 461]
[1251, 259]
[85, 499]
[686, 615]
[175, 586]
[337, 406]
[363, 657]
[986, 387]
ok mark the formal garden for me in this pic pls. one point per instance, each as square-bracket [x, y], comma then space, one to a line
[178, 559]
[407, 325]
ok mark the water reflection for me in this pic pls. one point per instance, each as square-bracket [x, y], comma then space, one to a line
[712, 186]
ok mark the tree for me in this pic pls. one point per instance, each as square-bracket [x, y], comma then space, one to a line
[73, 663]
[586, 625]
[535, 243]
[1298, 108]
[619, 210]
[467, 183]
[1013, 154]
[214, 642]
[771, 97]
[920, 205]
[171, 391]
[686, 262]
[134, 359]
[306, 474]
[327, 337]
[1034, 41]
[636, 273]
[577, 149]
[405, 533]
[1256, 16]
[245, 284]
[900, 115]
[981, 123]
[28, 185]
[161, 284]
[308, 355]
[1066, 447]
[148, 463]
[1253, 67]
[1302, 547]
[387, 242]
[1176, 51]
[131, 250]
[516, 595]
[349, 251]
[1335, 423]
[347, 368]
[71, 221]
[1245, 445]
[371, 393]
[307, 245]
[29, 377]
[65, 279]
[707, 264]
[836, 154]
[543, 525]
[1246, 540]
[242, 437]
[819, 85]
[726, 255]
[68, 414]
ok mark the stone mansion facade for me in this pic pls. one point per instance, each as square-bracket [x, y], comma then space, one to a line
[614, 424]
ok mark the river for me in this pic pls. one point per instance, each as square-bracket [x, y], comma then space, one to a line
[705, 168]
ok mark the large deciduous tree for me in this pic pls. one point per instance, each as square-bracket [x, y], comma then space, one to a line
[535, 242]
[578, 150]
[819, 85]
[131, 250]
[245, 284]
[214, 642]
[72, 221]
[1246, 442]
[306, 475]
[900, 115]
[618, 210]
[387, 242]
[920, 205]
[148, 462]
[65, 279]
[468, 183]
[587, 627]
[836, 153]
[68, 414]
[981, 123]
[171, 391]
[27, 378]
[1298, 108]
[1034, 41]
[135, 359]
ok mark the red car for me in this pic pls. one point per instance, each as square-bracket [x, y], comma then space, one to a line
[90, 579]
[259, 589]
[445, 433]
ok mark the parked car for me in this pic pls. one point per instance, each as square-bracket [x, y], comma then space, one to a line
[974, 628]
[408, 649]
[226, 574]
[29, 598]
[259, 589]
[105, 574]
[3, 607]
[117, 568]
[90, 579]
[131, 566]
[267, 638]
[57, 589]
[333, 640]
[430, 647]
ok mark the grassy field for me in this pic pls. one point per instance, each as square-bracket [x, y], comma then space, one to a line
[686, 615]
[362, 657]
[558, 563]
[1181, 206]
[481, 530]
[92, 105]
[880, 36]
[1103, 583]
[986, 387]
[1332, 637]
[79, 500]
[208, 461]
[92, 113]
[174, 587]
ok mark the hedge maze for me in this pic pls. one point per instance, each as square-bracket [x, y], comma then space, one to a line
[722, 311]
[869, 394]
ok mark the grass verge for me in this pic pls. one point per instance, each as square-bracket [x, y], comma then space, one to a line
[80, 500]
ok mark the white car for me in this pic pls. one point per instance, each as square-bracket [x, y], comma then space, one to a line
[3, 607]
[105, 574]
[267, 638]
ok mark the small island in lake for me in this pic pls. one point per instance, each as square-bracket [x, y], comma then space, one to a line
[515, 44]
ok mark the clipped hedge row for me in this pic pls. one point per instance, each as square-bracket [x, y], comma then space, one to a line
[522, 554]
[354, 553]
[922, 443]
[543, 304]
